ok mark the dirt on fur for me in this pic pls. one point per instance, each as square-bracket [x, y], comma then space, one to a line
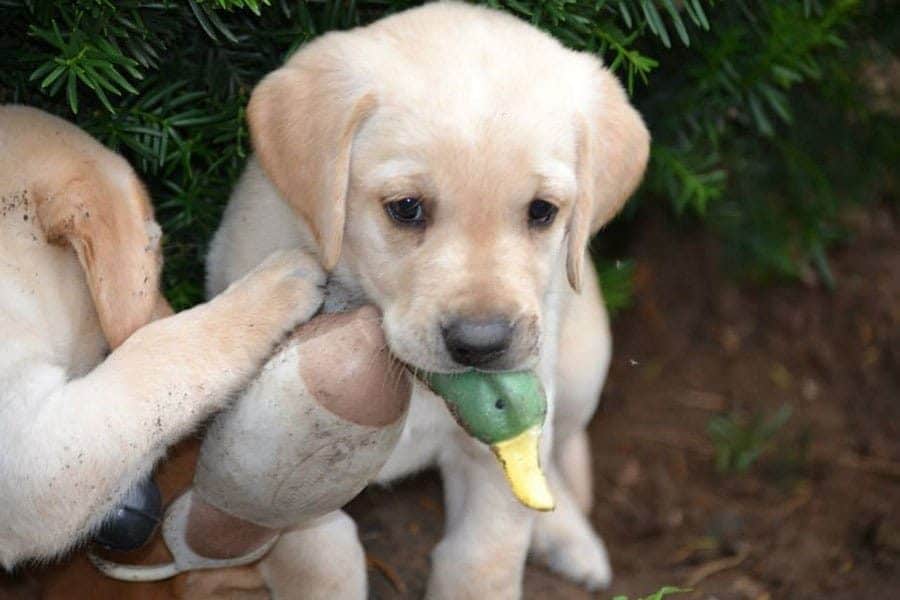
[816, 516]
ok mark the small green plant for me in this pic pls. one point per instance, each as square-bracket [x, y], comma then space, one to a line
[739, 443]
[789, 464]
[659, 595]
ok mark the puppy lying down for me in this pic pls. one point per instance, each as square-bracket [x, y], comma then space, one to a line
[449, 165]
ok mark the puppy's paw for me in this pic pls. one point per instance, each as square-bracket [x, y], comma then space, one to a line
[286, 289]
[578, 554]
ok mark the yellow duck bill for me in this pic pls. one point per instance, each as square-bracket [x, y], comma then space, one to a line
[521, 464]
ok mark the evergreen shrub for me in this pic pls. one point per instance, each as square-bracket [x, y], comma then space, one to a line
[769, 117]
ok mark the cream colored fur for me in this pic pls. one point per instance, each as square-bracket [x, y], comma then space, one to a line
[79, 274]
[476, 113]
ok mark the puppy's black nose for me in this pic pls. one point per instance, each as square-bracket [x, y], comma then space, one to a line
[477, 342]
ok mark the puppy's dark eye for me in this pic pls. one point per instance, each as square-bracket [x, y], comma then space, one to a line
[541, 213]
[406, 211]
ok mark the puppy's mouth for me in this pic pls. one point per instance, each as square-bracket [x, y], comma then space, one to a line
[422, 364]
[425, 353]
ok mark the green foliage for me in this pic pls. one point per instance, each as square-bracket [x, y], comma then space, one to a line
[740, 442]
[615, 279]
[756, 139]
[658, 595]
[762, 129]
[165, 83]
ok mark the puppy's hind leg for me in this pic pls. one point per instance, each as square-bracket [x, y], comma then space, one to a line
[483, 552]
[584, 354]
[564, 539]
[573, 458]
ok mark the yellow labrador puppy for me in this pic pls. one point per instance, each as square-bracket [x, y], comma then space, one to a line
[79, 276]
[449, 164]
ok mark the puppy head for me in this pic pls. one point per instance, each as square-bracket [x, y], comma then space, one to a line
[100, 208]
[455, 161]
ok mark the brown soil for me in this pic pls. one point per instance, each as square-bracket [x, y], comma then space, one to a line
[817, 516]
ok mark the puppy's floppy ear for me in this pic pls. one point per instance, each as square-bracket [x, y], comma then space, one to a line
[111, 229]
[303, 118]
[613, 147]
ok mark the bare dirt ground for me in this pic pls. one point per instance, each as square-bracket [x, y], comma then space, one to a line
[817, 516]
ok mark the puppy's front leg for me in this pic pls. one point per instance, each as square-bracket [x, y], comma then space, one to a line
[71, 450]
[482, 554]
[323, 560]
[565, 541]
